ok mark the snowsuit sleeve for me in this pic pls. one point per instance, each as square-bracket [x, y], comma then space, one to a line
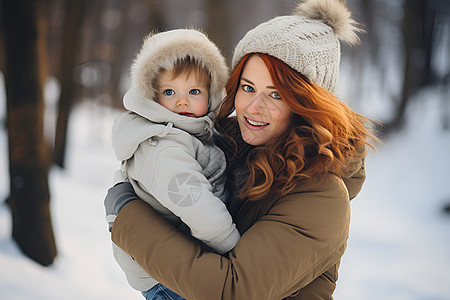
[302, 235]
[172, 175]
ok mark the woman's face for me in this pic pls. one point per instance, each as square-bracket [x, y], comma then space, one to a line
[261, 114]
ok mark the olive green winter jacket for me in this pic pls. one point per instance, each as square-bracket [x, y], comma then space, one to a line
[290, 248]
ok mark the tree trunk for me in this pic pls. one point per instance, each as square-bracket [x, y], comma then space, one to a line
[417, 28]
[71, 43]
[25, 54]
[2, 49]
[217, 26]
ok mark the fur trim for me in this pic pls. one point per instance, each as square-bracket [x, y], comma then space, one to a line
[163, 49]
[333, 13]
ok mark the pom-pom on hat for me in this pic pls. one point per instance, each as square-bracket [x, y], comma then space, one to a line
[307, 41]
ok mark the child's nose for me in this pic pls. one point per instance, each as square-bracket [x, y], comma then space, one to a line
[182, 101]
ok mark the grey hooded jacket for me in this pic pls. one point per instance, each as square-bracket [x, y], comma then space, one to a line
[170, 159]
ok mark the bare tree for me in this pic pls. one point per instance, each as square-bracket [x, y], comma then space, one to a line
[25, 68]
[71, 40]
[217, 22]
[419, 41]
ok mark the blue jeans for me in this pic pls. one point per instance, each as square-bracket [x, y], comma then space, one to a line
[160, 292]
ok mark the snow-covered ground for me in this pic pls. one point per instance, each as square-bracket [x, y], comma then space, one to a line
[399, 245]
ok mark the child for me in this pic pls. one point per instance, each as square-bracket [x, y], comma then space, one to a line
[165, 142]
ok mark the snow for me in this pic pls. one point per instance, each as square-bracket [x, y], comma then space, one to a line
[399, 245]
[84, 267]
[399, 240]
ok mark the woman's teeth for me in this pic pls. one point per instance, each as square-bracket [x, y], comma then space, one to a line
[254, 123]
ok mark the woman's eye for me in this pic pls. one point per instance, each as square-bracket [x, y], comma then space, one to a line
[194, 92]
[169, 92]
[248, 88]
[276, 95]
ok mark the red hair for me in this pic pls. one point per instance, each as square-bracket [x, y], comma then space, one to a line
[323, 135]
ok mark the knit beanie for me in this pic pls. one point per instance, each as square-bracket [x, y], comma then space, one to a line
[307, 41]
[162, 50]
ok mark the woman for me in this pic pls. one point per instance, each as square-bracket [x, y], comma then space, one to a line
[295, 159]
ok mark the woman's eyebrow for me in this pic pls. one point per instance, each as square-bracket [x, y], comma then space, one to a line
[248, 81]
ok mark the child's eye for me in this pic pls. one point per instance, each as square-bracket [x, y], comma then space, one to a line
[169, 92]
[275, 95]
[194, 92]
[248, 88]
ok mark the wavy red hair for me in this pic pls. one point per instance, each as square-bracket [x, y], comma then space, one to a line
[323, 135]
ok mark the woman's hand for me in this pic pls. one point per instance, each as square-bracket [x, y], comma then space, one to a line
[116, 198]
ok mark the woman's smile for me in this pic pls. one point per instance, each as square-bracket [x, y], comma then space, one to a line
[257, 124]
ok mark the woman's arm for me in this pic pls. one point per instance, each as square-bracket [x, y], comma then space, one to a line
[174, 178]
[303, 235]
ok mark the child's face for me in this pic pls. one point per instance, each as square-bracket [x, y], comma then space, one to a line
[183, 95]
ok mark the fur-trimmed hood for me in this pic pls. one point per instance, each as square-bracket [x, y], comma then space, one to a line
[163, 49]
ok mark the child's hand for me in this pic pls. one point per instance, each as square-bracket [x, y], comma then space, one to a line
[116, 198]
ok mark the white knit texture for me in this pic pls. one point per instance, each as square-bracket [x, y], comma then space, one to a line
[308, 46]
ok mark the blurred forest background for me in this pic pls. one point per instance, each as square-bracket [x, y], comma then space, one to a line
[86, 47]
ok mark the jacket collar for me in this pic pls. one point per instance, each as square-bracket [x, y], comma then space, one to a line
[201, 127]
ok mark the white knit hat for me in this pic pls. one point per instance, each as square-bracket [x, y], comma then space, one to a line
[307, 41]
[163, 49]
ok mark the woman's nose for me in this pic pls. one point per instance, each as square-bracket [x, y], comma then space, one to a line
[257, 104]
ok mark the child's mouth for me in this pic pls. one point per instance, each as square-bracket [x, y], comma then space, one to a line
[186, 114]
